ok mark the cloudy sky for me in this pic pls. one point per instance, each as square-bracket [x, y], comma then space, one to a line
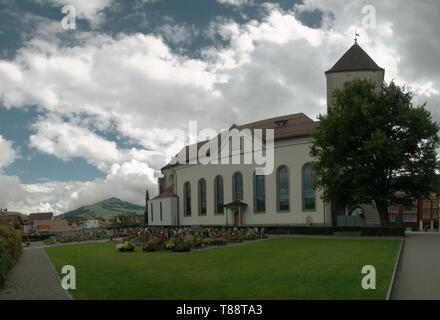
[87, 114]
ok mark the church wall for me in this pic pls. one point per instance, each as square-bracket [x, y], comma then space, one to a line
[169, 211]
[293, 153]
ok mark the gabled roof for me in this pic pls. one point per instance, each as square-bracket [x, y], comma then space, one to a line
[75, 219]
[41, 216]
[47, 222]
[60, 225]
[290, 126]
[355, 59]
[236, 204]
[10, 219]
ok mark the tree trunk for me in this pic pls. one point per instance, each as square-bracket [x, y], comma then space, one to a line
[382, 209]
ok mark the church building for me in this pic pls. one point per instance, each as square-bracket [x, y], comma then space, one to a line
[233, 194]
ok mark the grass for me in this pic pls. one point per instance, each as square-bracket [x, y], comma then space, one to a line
[284, 268]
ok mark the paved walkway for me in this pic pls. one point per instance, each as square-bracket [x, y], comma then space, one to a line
[418, 277]
[33, 278]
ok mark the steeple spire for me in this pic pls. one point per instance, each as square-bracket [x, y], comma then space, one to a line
[355, 59]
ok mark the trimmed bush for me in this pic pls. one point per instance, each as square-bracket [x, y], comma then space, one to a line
[328, 231]
[183, 246]
[40, 237]
[10, 250]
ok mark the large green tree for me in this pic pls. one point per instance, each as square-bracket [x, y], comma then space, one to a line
[372, 141]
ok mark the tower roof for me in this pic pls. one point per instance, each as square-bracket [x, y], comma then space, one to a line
[355, 59]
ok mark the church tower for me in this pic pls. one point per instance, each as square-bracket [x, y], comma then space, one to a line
[354, 64]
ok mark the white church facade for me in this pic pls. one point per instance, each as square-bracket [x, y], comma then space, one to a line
[233, 194]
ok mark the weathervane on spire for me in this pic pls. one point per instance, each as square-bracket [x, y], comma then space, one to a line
[356, 36]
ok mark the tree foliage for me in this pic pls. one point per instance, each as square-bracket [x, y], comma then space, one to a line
[372, 141]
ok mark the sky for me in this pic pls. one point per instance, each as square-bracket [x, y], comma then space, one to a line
[88, 113]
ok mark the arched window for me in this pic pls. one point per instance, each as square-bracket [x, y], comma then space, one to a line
[171, 180]
[283, 188]
[218, 195]
[187, 199]
[309, 196]
[202, 197]
[237, 186]
[259, 193]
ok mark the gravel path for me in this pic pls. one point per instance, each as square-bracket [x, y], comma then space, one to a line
[33, 278]
[418, 277]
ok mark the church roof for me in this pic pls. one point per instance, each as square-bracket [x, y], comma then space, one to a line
[355, 59]
[290, 126]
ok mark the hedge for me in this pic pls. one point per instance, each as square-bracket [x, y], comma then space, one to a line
[40, 237]
[314, 230]
[10, 250]
[325, 231]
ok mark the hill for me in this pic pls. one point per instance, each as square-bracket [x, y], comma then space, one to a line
[107, 209]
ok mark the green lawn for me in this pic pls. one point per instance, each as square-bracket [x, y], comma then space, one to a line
[285, 268]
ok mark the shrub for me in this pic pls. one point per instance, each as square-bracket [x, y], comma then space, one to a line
[197, 244]
[236, 239]
[248, 237]
[215, 241]
[10, 250]
[152, 245]
[208, 241]
[40, 237]
[316, 230]
[49, 241]
[170, 245]
[183, 246]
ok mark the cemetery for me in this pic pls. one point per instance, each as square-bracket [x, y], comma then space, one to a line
[183, 239]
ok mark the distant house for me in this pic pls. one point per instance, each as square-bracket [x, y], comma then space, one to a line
[422, 213]
[60, 226]
[13, 220]
[105, 224]
[52, 226]
[43, 226]
[77, 223]
[28, 226]
[92, 224]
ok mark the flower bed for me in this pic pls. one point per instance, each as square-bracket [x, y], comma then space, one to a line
[185, 239]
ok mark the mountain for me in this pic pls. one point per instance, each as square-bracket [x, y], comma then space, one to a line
[107, 209]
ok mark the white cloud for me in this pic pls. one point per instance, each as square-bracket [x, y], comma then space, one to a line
[90, 10]
[7, 153]
[234, 2]
[127, 181]
[10, 190]
[66, 141]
